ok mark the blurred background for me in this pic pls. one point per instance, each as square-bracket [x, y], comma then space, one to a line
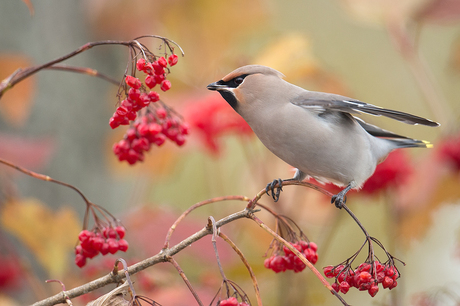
[396, 54]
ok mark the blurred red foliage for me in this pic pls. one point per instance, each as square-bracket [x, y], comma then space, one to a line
[212, 117]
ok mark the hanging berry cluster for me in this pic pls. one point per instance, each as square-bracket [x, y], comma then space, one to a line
[152, 122]
[290, 261]
[366, 277]
[283, 258]
[99, 241]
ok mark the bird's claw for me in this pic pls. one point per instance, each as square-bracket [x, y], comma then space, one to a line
[338, 200]
[278, 184]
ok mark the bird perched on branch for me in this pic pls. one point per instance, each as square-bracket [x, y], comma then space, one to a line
[315, 132]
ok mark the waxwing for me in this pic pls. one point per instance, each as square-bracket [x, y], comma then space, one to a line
[314, 132]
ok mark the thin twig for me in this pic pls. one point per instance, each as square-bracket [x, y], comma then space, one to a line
[44, 178]
[245, 262]
[195, 206]
[84, 70]
[184, 277]
[212, 225]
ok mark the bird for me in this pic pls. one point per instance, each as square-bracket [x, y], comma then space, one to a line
[315, 132]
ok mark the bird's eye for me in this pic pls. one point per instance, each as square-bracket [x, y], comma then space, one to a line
[239, 80]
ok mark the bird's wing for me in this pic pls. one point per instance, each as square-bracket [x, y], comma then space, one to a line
[376, 131]
[319, 101]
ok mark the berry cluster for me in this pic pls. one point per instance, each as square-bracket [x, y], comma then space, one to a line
[103, 241]
[232, 301]
[154, 127]
[137, 96]
[156, 122]
[289, 261]
[366, 276]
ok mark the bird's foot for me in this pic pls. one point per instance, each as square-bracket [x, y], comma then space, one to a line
[278, 184]
[339, 199]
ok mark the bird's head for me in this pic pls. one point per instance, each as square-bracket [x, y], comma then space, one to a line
[246, 84]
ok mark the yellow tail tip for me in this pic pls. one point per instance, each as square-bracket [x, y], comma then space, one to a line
[428, 144]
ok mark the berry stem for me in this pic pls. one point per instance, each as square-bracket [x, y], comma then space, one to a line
[245, 262]
[184, 277]
[212, 225]
[84, 70]
[195, 206]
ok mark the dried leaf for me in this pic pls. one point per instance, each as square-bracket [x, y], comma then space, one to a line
[15, 104]
[49, 235]
[116, 297]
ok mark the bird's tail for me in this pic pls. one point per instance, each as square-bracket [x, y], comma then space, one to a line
[411, 143]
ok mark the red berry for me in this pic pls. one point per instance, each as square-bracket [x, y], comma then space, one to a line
[159, 78]
[313, 246]
[378, 266]
[387, 282]
[159, 70]
[131, 115]
[133, 82]
[183, 128]
[278, 264]
[365, 276]
[172, 59]
[328, 271]
[105, 249]
[120, 231]
[148, 68]
[154, 128]
[161, 113]
[111, 232]
[180, 140]
[395, 283]
[338, 269]
[123, 245]
[344, 287]
[289, 262]
[78, 250]
[380, 277]
[134, 94]
[159, 139]
[127, 104]
[364, 267]
[373, 290]
[232, 301]
[114, 123]
[97, 242]
[80, 260]
[113, 245]
[140, 64]
[162, 62]
[85, 235]
[299, 265]
[150, 81]
[336, 287]
[90, 252]
[267, 261]
[153, 96]
[165, 85]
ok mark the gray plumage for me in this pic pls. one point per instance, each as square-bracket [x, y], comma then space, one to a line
[314, 131]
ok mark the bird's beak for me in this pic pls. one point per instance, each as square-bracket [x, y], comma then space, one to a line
[216, 86]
